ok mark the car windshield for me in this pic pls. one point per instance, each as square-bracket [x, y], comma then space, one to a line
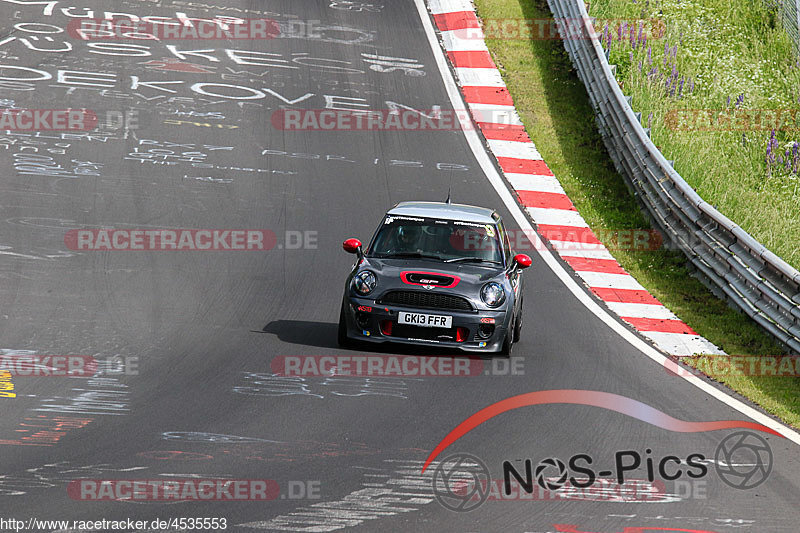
[443, 240]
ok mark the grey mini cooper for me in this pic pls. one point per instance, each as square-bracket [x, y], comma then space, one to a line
[435, 274]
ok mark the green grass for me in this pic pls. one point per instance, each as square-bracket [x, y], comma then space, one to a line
[727, 49]
[555, 110]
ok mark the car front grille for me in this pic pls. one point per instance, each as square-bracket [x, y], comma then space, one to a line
[426, 300]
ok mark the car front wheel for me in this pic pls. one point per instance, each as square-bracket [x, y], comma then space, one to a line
[518, 324]
[343, 340]
[508, 341]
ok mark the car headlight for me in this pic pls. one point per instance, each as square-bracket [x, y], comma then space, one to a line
[364, 282]
[493, 294]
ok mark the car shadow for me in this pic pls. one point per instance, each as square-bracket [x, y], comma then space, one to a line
[323, 335]
[303, 332]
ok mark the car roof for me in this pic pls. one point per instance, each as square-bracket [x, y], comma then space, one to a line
[465, 213]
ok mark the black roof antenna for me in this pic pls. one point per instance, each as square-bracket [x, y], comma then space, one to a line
[449, 187]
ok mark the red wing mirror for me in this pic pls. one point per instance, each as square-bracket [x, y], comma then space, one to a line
[522, 260]
[353, 245]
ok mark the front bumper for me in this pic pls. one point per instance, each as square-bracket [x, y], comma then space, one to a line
[378, 323]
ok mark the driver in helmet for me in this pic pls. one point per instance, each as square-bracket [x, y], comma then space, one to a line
[408, 239]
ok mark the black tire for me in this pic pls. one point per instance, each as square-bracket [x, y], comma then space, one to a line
[518, 324]
[508, 341]
[343, 340]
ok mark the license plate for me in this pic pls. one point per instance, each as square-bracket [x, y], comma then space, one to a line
[428, 321]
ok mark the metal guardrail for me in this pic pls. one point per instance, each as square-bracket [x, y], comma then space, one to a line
[731, 262]
[789, 11]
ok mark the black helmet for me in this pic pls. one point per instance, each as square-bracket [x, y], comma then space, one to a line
[408, 234]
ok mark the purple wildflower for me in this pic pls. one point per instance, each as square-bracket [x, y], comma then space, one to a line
[772, 146]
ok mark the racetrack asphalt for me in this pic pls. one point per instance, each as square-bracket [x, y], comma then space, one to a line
[205, 326]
